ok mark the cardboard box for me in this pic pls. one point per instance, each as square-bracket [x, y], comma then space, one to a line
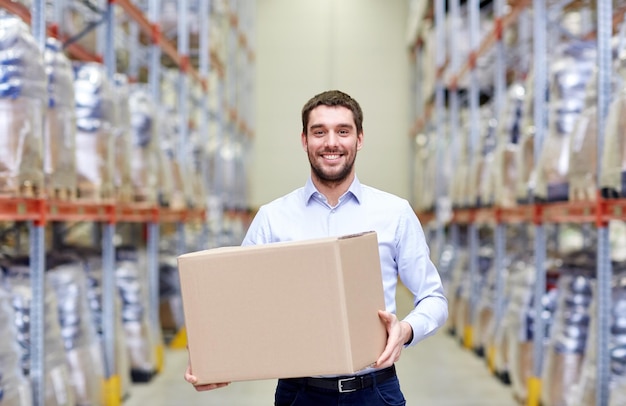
[283, 310]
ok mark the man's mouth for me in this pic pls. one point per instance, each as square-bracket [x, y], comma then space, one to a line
[331, 157]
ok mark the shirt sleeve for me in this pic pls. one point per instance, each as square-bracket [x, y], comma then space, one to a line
[418, 273]
[259, 231]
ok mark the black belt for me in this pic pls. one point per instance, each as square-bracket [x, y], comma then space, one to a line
[343, 384]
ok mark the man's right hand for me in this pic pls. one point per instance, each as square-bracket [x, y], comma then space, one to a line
[189, 377]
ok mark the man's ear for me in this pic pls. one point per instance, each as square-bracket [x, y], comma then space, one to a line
[359, 141]
[303, 140]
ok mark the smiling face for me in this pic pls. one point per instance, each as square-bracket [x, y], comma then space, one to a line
[331, 141]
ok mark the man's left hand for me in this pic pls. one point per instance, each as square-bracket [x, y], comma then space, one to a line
[398, 334]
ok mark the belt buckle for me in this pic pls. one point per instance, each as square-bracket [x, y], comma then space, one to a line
[340, 385]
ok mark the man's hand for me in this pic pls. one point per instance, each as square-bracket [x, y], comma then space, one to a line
[189, 377]
[398, 334]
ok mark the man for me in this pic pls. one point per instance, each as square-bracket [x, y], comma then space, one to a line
[332, 203]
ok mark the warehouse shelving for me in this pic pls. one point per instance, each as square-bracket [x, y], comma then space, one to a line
[598, 212]
[40, 211]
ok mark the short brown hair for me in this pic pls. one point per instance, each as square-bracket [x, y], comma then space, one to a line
[333, 98]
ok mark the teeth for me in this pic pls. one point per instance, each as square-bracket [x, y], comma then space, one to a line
[331, 156]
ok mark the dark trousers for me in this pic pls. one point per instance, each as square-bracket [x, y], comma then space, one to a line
[387, 393]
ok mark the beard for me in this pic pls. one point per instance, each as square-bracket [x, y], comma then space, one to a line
[334, 175]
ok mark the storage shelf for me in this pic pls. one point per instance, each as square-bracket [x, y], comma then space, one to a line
[75, 50]
[599, 211]
[500, 25]
[44, 210]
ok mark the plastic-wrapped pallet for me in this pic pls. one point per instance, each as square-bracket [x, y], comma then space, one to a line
[460, 176]
[144, 164]
[518, 337]
[582, 174]
[526, 173]
[497, 342]
[486, 327]
[484, 299]
[171, 305]
[198, 169]
[93, 268]
[95, 141]
[583, 392]
[568, 338]
[504, 173]
[481, 188]
[58, 389]
[131, 283]
[122, 134]
[613, 164]
[424, 173]
[520, 324]
[446, 261]
[569, 77]
[453, 291]
[15, 389]
[171, 189]
[183, 192]
[60, 124]
[466, 291]
[23, 100]
[82, 347]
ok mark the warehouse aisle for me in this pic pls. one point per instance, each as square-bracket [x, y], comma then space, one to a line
[437, 372]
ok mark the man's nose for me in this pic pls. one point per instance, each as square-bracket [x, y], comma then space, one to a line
[332, 139]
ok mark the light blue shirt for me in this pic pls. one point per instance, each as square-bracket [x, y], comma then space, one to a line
[305, 214]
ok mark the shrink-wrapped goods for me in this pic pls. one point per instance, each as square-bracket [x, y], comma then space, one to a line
[141, 341]
[496, 343]
[172, 192]
[170, 142]
[93, 267]
[568, 338]
[144, 164]
[613, 163]
[424, 170]
[582, 173]
[485, 196]
[199, 176]
[60, 124]
[505, 169]
[446, 260]
[525, 158]
[569, 77]
[166, 168]
[23, 100]
[122, 134]
[480, 189]
[466, 289]
[454, 290]
[95, 141]
[486, 311]
[171, 305]
[82, 347]
[58, 389]
[460, 155]
[583, 392]
[15, 389]
[520, 326]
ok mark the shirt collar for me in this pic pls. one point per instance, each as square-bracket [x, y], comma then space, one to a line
[355, 189]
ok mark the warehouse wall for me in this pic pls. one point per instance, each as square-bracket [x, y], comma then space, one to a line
[306, 47]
